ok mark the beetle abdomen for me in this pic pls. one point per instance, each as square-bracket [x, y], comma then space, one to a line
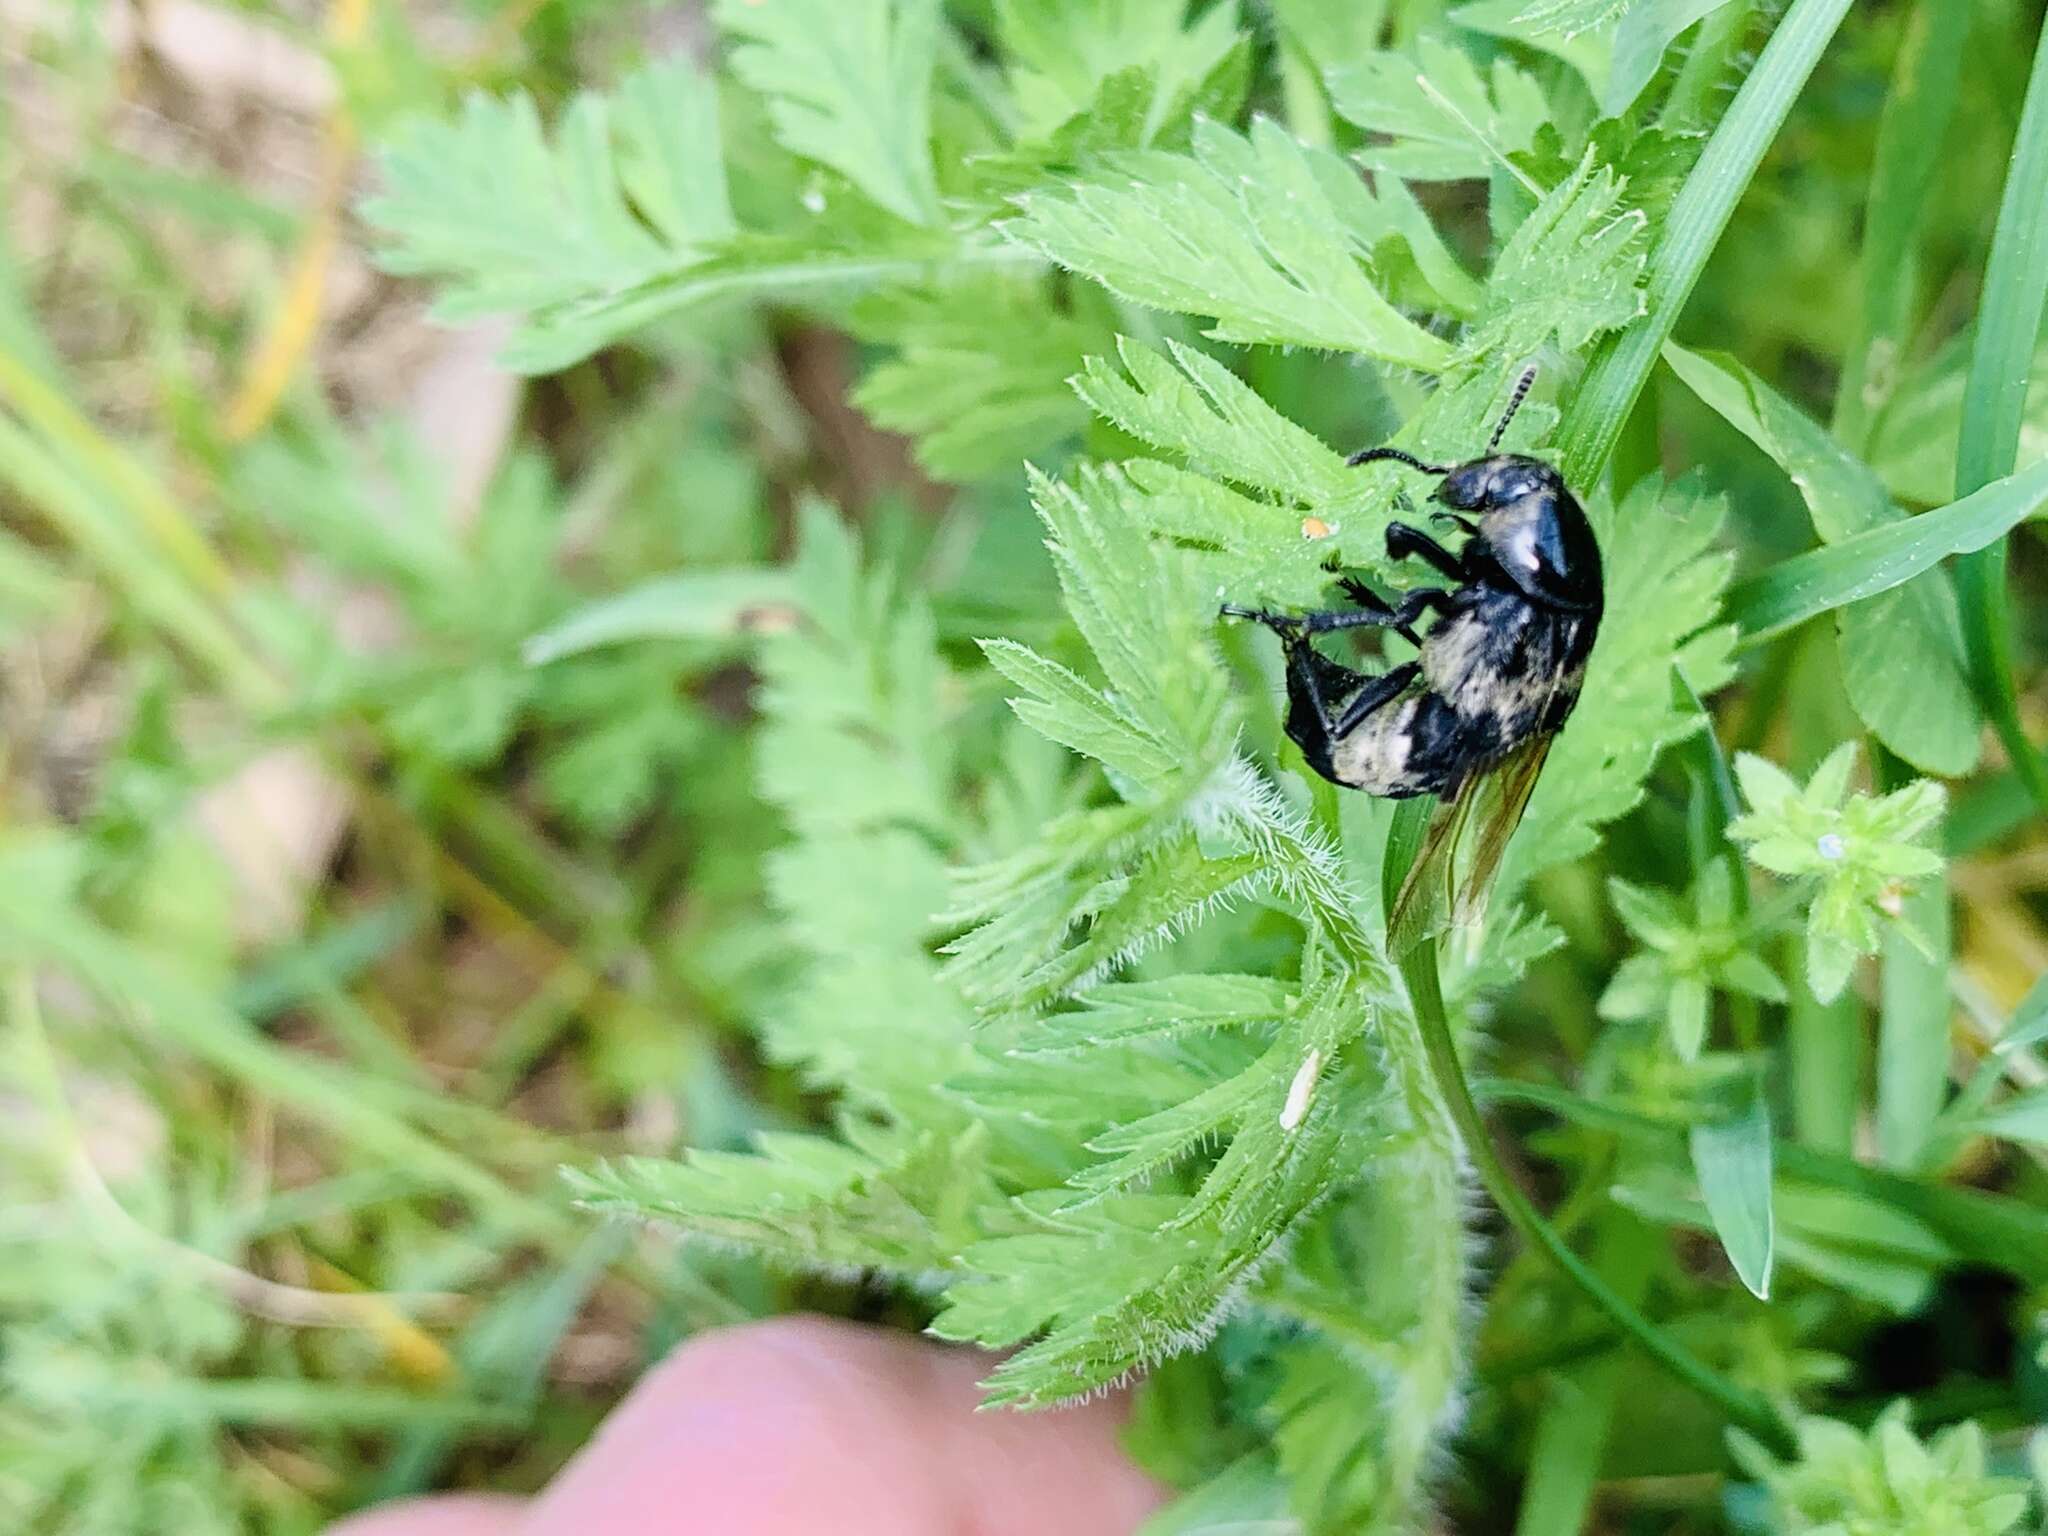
[1505, 661]
[1496, 672]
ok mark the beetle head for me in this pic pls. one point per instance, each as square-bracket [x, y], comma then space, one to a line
[1532, 524]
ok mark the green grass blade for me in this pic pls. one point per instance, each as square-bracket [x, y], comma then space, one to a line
[1995, 1230]
[1750, 1410]
[1911, 137]
[1824, 1049]
[1732, 1159]
[2029, 1024]
[1994, 406]
[694, 605]
[1914, 1009]
[2024, 1118]
[1702, 210]
[1572, 1435]
[1865, 564]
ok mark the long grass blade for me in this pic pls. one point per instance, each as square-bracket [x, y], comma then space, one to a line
[1910, 139]
[1865, 564]
[1994, 407]
[1701, 212]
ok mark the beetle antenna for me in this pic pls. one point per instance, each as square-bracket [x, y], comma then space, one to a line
[1374, 455]
[1522, 388]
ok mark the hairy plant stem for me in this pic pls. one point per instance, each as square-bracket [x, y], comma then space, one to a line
[1748, 1409]
[1426, 1180]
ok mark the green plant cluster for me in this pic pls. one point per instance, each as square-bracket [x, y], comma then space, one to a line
[920, 876]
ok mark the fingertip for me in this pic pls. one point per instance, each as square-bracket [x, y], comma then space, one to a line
[799, 1424]
[450, 1514]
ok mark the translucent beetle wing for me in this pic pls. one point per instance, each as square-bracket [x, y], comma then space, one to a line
[1437, 893]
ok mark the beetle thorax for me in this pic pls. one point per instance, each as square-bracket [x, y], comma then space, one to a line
[1516, 533]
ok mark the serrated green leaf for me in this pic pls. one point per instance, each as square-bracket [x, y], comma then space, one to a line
[1132, 1010]
[1442, 118]
[979, 375]
[1249, 549]
[1266, 235]
[627, 191]
[1065, 51]
[848, 85]
[806, 1201]
[1570, 272]
[671, 165]
[1194, 406]
[1138, 612]
[1140, 1150]
[1067, 710]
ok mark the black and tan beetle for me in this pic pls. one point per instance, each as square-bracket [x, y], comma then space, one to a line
[1504, 661]
[1498, 671]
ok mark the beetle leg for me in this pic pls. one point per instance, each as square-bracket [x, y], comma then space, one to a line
[1401, 619]
[1363, 595]
[1462, 521]
[1323, 622]
[1422, 600]
[1405, 539]
[1312, 680]
[1374, 696]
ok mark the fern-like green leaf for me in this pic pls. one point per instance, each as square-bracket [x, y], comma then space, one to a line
[854, 752]
[1440, 117]
[1126, 1279]
[1571, 271]
[848, 85]
[879, 1201]
[1268, 236]
[628, 190]
[1064, 51]
[979, 374]
[1191, 405]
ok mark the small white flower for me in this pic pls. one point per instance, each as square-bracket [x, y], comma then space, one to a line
[1301, 1091]
[1831, 846]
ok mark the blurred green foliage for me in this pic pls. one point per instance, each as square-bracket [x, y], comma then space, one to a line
[866, 852]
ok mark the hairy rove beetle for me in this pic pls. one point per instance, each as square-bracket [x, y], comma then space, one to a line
[1502, 665]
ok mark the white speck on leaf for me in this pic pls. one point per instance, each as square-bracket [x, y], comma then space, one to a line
[1831, 846]
[1301, 1091]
